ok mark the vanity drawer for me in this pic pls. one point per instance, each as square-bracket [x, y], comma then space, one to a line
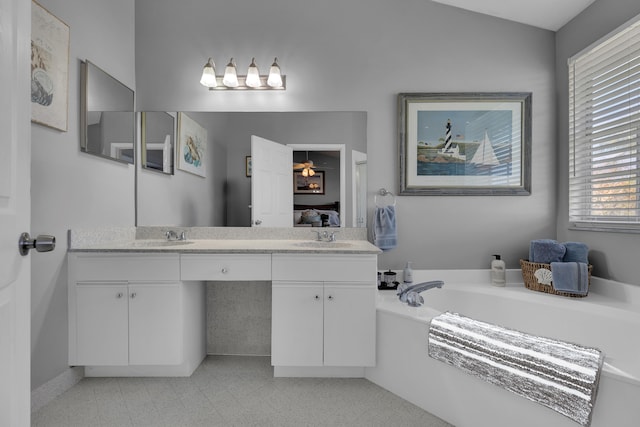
[227, 267]
[128, 267]
[325, 267]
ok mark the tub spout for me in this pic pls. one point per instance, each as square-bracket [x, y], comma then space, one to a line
[411, 294]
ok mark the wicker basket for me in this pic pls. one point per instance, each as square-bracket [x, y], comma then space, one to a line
[531, 282]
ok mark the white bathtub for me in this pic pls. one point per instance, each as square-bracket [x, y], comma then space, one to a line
[608, 319]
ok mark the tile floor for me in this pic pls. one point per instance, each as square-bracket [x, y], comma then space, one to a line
[230, 391]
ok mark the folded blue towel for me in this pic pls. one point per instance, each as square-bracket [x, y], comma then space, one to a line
[576, 252]
[384, 228]
[570, 277]
[546, 251]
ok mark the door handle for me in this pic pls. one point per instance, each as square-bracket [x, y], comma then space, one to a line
[42, 243]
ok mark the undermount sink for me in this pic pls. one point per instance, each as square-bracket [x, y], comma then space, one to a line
[155, 243]
[319, 244]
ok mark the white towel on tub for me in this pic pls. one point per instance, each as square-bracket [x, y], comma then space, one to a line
[559, 375]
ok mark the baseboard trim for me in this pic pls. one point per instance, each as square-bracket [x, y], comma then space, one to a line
[55, 387]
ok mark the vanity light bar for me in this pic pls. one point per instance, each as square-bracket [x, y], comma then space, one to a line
[251, 81]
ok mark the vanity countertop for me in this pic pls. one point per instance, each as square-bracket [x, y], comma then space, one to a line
[232, 246]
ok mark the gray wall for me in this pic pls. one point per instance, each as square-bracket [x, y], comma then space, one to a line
[613, 255]
[70, 189]
[357, 56]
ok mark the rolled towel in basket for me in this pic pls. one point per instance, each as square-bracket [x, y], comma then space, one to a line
[576, 252]
[546, 251]
[570, 277]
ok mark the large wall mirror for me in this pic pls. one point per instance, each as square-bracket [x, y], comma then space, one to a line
[223, 197]
[107, 118]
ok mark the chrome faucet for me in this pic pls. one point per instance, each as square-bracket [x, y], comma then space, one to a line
[411, 294]
[328, 237]
[173, 235]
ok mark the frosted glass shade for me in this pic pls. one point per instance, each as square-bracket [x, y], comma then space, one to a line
[253, 75]
[208, 78]
[230, 78]
[275, 77]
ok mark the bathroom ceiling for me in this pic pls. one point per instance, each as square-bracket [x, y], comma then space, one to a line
[547, 14]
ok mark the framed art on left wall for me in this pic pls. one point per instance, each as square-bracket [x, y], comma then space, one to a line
[49, 69]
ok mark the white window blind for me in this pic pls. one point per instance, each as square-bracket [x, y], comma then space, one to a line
[604, 124]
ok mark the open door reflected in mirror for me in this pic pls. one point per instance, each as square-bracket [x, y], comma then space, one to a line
[158, 141]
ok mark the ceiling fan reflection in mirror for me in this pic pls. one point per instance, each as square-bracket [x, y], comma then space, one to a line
[306, 166]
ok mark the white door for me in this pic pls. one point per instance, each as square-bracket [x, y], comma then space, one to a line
[15, 152]
[271, 183]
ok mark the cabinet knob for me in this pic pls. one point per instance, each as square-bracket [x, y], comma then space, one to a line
[225, 271]
[119, 295]
[133, 294]
[317, 297]
[330, 297]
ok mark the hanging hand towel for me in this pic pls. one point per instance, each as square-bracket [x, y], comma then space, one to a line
[384, 228]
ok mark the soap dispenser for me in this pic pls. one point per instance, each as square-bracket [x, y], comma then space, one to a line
[498, 271]
[407, 273]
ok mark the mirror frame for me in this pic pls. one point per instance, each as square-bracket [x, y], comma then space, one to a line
[145, 144]
[87, 69]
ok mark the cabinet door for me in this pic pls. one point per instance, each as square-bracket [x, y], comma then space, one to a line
[296, 324]
[155, 324]
[349, 324]
[102, 324]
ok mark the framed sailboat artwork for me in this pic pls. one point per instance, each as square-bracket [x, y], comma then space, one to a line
[465, 143]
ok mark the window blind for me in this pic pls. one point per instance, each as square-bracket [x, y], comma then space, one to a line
[604, 127]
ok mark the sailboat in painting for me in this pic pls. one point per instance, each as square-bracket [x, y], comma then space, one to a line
[484, 155]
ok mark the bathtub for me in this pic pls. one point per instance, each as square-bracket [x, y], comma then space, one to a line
[608, 319]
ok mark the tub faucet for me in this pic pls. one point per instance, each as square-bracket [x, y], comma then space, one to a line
[411, 294]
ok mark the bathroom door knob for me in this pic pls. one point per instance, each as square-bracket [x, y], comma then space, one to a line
[42, 243]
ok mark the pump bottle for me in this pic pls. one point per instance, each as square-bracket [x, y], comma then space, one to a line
[498, 271]
[407, 273]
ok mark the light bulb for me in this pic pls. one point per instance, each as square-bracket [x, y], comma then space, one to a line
[311, 172]
[275, 78]
[208, 78]
[305, 172]
[253, 75]
[230, 78]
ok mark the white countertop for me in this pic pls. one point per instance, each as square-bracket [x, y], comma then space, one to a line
[231, 246]
[219, 240]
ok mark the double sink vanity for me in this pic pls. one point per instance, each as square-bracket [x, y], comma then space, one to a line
[137, 300]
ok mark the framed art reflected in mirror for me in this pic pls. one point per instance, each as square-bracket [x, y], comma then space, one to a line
[308, 184]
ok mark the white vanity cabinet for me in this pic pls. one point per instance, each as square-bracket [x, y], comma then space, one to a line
[323, 310]
[119, 323]
[129, 314]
